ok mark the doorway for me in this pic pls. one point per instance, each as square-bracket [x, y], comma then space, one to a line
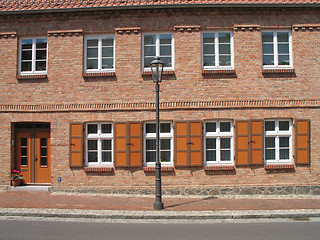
[32, 152]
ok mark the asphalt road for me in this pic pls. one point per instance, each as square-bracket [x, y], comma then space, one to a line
[53, 230]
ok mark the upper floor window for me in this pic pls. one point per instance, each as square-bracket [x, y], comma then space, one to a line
[99, 142]
[99, 53]
[278, 143]
[276, 49]
[33, 56]
[158, 45]
[218, 142]
[217, 50]
[166, 144]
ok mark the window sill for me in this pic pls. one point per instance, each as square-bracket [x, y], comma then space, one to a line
[219, 168]
[32, 76]
[165, 72]
[99, 74]
[163, 169]
[218, 71]
[278, 71]
[278, 166]
[98, 169]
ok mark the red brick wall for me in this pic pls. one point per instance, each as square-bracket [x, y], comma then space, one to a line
[66, 85]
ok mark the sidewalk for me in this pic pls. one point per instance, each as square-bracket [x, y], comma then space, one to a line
[46, 204]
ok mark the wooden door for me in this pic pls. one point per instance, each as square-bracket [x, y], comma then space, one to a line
[23, 154]
[42, 157]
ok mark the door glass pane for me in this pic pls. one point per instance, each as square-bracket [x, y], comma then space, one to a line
[44, 161]
[43, 142]
[24, 141]
[24, 161]
[24, 151]
[43, 151]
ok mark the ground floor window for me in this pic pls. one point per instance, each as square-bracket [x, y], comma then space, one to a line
[99, 144]
[166, 145]
[218, 142]
[278, 141]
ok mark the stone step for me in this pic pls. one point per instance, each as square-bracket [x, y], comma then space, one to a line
[31, 188]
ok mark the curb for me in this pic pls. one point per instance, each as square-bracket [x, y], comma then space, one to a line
[163, 215]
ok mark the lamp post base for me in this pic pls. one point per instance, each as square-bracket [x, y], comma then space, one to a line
[158, 205]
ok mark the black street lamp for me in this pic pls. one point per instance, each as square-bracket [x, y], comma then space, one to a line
[157, 70]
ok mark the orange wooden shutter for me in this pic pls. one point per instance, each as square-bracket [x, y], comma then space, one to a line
[76, 145]
[135, 144]
[181, 146]
[302, 142]
[195, 143]
[120, 139]
[257, 140]
[242, 143]
[188, 144]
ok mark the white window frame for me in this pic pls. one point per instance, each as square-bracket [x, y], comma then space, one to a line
[165, 68]
[277, 134]
[275, 50]
[153, 136]
[217, 54]
[33, 58]
[99, 136]
[218, 135]
[99, 38]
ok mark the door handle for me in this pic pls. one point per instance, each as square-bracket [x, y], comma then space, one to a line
[35, 157]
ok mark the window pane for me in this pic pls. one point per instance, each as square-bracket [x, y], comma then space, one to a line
[26, 55]
[224, 49]
[284, 142]
[41, 66]
[209, 61]
[41, 54]
[149, 40]
[208, 49]
[92, 128]
[165, 39]
[106, 157]
[225, 126]
[92, 42]
[165, 127]
[41, 43]
[284, 60]
[267, 49]
[211, 127]
[147, 61]
[283, 48]
[270, 142]
[211, 143]
[283, 37]
[151, 144]
[208, 38]
[211, 155]
[270, 126]
[224, 37]
[284, 153]
[151, 156]
[268, 60]
[225, 60]
[92, 145]
[26, 44]
[165, 50]
[267, 37]
[106, 128]
[284, 125]
[92, 64]
[107, 63]
[106, 145]
[225, 143]
[165, 144]
[270, 154]
[165, 156]
[92, 52]
[92, 157]
[225, 155]
[150, 51]
[150, 128]
[26, 66]
[107, 52]
[107, 42]
[167, 61]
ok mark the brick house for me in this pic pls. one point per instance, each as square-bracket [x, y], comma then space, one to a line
[239, 101]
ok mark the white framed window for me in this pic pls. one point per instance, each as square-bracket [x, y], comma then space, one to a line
[276, 49]
[158, 44]
[99, 53]
[99, 144]
[217, 50]
[278, 141]
[166, 143]
[33, 55]
[218, 142]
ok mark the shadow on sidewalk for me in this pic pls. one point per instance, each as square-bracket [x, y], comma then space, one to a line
[190, 202]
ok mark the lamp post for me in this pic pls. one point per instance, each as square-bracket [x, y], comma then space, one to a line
[157, 70]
